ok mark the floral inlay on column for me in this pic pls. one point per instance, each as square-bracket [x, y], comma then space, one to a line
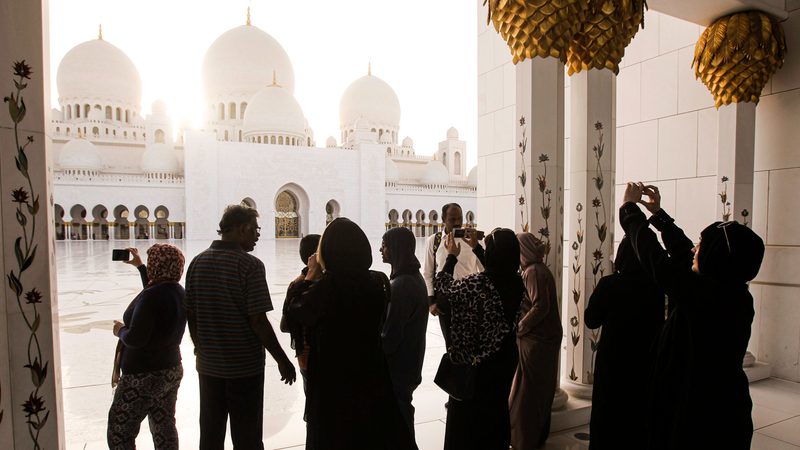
[598, 204]
[723, 198]
[523, 176]
[575, 321]
[27, 209]
[544, 232]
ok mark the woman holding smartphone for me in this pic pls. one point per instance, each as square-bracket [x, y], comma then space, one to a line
[148, 353]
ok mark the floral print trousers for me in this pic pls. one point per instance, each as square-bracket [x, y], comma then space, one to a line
[148, 394]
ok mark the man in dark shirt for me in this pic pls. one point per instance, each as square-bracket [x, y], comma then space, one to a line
[226, 303]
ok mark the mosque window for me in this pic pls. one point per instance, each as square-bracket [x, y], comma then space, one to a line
[109, 113]
[95, 131]
[77, 111]
[232, 110]
[58, 129]
[259, 139]
[388, 150]
[280, 140]
[309, 142]
[272, 139]
[86, 110]
[240, 135]
[114, 132]
[457, 163]
[68, 130]
[226, 135]
[106, 130]
[159, 136]
[241, 110]
[127, 116]
[124, 134]
[221, 108]
[69, 112]
[444, 158]
[134, 135]
[119, 114]
[98, 107]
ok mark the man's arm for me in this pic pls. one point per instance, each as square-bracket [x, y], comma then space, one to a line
[263, 329]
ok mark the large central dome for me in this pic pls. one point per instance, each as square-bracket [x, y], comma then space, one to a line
[97, 70]
[241, 62]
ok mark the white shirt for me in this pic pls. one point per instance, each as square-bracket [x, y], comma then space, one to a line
[467, 261]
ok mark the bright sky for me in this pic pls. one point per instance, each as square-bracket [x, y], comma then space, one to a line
[425, 49]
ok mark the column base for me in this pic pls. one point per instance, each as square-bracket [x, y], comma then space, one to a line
[575, 389]
[575, 413]
[559, 400]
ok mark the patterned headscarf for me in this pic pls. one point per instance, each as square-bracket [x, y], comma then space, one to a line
[164, 263]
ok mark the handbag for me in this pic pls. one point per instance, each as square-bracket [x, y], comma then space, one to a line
[458, 380]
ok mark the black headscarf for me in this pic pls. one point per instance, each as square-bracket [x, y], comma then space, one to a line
[730, 251]
[344, 248]
[401, 244]
[502, 264]
[626, 260]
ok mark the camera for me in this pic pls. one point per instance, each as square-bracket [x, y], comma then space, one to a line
[462, 233]
[120, 255]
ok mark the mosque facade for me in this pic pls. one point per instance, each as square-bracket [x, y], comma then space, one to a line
[121, 174]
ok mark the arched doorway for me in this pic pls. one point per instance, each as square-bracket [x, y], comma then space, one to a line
[407, 219]
[433, 218]
[100, 223]
[79, 230]
[121, 225]
[470, 217]
[287, 220]
[332, 211]
[393, 216]
[162, 224]
[58, 217]
[142, 227]
[419, 226]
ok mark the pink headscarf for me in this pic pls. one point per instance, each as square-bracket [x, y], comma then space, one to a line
[164, 263]
[531, 249]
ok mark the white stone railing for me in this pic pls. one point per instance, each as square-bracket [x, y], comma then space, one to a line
[397, 187]
[80, 176]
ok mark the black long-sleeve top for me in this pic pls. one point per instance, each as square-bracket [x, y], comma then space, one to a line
[154, 325]
[404, 329]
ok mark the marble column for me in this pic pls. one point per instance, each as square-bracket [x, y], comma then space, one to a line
[736, 137]
[30, 384]
[591, 213]
[540, 162]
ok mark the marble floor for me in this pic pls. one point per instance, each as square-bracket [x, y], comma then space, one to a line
[93, 291]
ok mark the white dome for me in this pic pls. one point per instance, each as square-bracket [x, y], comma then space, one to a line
[160, 158]
[435, 173]
[97, 114]
[241, 62]
[371, 98]
[99, 70]
[274, 110]
[472, 178]
[80, 154]
[452, 133]
[331, 142]
[408, 142]
[392, 173]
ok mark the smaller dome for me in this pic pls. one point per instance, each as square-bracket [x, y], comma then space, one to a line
[80, 154]
[386, 138]
[159, 108]
[452, 133]
[330, 142]
[96, 114]
[408, 142]
[274, 110]
[435, 173]
[372, 98]
[392, 173]
[472, 178]
[160, 158]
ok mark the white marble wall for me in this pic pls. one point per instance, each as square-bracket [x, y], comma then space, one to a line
[667, 135]
[496, 128]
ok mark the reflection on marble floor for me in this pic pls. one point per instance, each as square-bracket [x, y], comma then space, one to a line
[93, 291]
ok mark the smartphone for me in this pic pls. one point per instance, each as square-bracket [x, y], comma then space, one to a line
[120, 254]
[462, 232]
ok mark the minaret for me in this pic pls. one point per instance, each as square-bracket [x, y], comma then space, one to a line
[248, 17]
[100, 32]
